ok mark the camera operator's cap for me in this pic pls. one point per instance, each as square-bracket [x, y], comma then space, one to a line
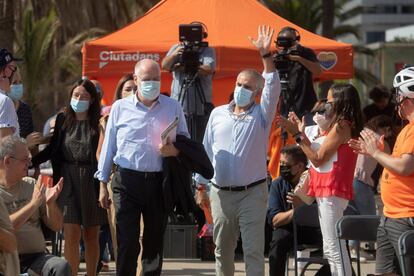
[6, 57]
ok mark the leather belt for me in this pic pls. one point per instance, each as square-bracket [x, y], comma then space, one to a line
[239, 188]
[138, 173]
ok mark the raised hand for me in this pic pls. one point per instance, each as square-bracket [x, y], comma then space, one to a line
[264, 39]
[53, 192]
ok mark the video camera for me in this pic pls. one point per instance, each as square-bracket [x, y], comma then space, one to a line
[280, 59]
[191, 36]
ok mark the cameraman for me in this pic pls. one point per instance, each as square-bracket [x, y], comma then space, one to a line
[302, 66]
[196, 104]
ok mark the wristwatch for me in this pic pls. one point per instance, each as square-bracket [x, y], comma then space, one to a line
[299, 138]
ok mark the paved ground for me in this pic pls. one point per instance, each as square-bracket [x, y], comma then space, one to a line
[195, 267]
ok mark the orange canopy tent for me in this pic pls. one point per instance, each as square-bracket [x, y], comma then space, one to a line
[229, 23]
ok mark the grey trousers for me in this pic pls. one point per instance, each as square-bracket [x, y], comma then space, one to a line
[44, 264]
[234, 213]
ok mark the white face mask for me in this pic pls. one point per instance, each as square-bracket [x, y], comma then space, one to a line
[321, 120]
[242, 96]
[150, 90]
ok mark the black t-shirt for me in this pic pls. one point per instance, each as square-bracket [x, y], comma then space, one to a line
[302, 95]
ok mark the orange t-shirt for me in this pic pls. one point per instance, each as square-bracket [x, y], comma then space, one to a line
[397, 191]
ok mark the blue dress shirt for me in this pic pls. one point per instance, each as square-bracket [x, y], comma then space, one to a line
[237, 144]
[133, 134]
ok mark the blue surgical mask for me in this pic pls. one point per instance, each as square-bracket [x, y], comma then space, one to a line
[79, 106]
[16, 92]
[242, 96]
[150, 90]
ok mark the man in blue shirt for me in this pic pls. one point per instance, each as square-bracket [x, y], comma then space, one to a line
[236, 141]
[281, 208]
[133, 142]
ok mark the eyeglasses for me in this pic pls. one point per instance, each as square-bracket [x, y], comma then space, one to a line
[25, 160]
[321, 111]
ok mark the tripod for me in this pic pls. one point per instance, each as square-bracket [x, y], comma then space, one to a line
[192, 96]
[288, 103]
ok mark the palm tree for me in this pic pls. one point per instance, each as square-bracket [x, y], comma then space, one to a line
[33, 45]
[294, 10]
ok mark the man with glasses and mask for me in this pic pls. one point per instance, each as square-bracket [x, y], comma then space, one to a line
[236, 142]
[28, 204]
[9, 124]
[133, 143]
[281, 207]
[397, 182]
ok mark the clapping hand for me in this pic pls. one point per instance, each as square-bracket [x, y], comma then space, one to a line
[264, 39]
[53, 192]
[286, 124]
[293, 124]
[368, 143]
[38, 195]
[299, 122]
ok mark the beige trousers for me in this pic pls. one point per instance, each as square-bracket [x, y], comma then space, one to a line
[234, 213]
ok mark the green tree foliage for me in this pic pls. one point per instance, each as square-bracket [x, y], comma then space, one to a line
[33, 45]
[310, 16]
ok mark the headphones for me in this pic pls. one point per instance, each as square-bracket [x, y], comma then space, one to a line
[205, 30]
[291, 30]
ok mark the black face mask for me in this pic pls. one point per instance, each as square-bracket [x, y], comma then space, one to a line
[286, 173]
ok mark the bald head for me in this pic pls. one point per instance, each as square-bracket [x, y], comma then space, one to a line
[147, 67]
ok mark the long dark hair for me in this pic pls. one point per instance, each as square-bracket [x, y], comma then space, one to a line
[93, 111]
[347, 107]
[120, 86]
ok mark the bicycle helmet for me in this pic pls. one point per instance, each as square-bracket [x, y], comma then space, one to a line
[404, 83]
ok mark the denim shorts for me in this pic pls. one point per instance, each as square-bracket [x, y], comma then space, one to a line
[389, 231]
